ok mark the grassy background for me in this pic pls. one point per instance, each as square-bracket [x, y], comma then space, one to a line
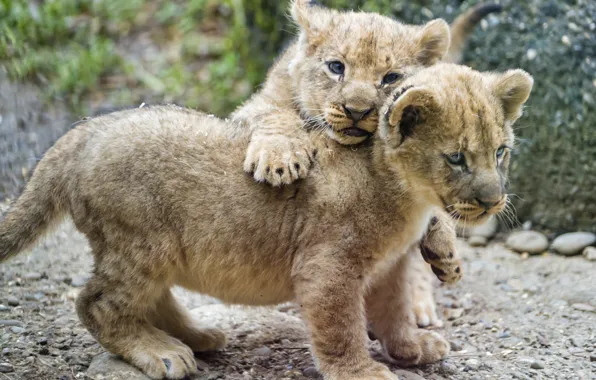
[211, 54]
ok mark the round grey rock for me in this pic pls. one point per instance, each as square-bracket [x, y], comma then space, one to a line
[78, 281]
[447, 368]
[10, 322]
[32, 276]
[6, 368]
[573, 243]
[527, 241]
[311, 373]
[590, 253]
[13, 301]
[537, 365]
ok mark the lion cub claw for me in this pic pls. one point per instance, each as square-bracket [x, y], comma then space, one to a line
[279, 159]
[164, 361]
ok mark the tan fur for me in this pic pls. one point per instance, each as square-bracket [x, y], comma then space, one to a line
[162, 198]
[299, 87]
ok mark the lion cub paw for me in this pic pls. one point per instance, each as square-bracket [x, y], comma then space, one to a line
[204, 339]
[375, 371]
[278, 159]
[438, 249]
[424, 347]
[424, 308]
[164, 361]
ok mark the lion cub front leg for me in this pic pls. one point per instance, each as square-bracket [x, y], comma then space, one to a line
[438, 249]
[280, 150]
[330, 291]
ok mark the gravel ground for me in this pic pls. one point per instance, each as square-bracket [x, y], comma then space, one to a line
[511, 318]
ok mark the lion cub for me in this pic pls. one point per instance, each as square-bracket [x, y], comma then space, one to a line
[162, 198]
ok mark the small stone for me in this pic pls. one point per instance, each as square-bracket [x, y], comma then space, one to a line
[32, 276]
[78, 281]
[566, 41]
[478, 241]
[44, 351]
[262, 351]
[447, 368]
[593, 358]
[107, 366]
[4, 308]
[10, 322]
[583, 307]
[590, 253]
[13, 301]
[519, 375]
[531, 54]
[456, 345]
[42, 341]
[311, 373]
[537, 365]
[527, 241]
[6, 368]
[471, 365]
[487, 229]
[407, 375]
[17, 330]
[573, 243]
[5, 351]
[451, 314]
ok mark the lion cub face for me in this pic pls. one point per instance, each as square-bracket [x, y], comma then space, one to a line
[348, 63]
[451, 138]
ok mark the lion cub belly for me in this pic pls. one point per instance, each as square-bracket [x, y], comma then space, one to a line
[242, 283]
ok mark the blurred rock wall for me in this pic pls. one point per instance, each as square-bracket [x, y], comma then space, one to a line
[553, 173]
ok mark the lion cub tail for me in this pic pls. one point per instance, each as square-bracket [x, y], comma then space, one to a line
[463, 25]
[42, 203]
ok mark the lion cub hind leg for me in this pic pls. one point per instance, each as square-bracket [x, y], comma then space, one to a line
[438, 249]
[421, 280]
[173, 318]
[114, 306]
[390, 317]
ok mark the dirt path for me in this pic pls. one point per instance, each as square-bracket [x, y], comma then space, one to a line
[513, 318]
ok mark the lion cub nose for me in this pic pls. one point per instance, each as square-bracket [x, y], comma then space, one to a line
[487, 203]
[356, 114]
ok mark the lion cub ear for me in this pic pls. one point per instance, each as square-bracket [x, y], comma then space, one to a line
[434, 40]
[411, 106]
[312, 18]
[513, 90]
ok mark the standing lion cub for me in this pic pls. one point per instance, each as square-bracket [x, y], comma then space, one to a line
[162, 198]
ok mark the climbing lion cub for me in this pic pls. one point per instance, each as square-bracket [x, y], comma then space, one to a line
[333, 79]
[162, 198]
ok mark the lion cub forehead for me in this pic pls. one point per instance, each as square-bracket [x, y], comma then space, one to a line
[372, 40]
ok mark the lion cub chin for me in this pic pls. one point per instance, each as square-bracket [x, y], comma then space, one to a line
[161, 196]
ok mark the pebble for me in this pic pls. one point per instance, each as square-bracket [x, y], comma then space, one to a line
[537, 365]
[42, 341]
[478, 241]
[519, 375]
[262, 351]
[17, 330]
[13, 301]
[593, 358]
[311, 373]
[471, 365]
[573, 243]
[531, 54]
[6, 368]
[583, 307]
[452, 314]
[447, 368]
[527, 241]
[590, 253]
[78, 281]
[5, 351]
[456, 345]
[32, 276]
[487, 229]
[10, 322]
[4, 308]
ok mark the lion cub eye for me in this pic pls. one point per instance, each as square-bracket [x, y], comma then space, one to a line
[391, 78]
[500, 152]
[456, 159]
[336, 67]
